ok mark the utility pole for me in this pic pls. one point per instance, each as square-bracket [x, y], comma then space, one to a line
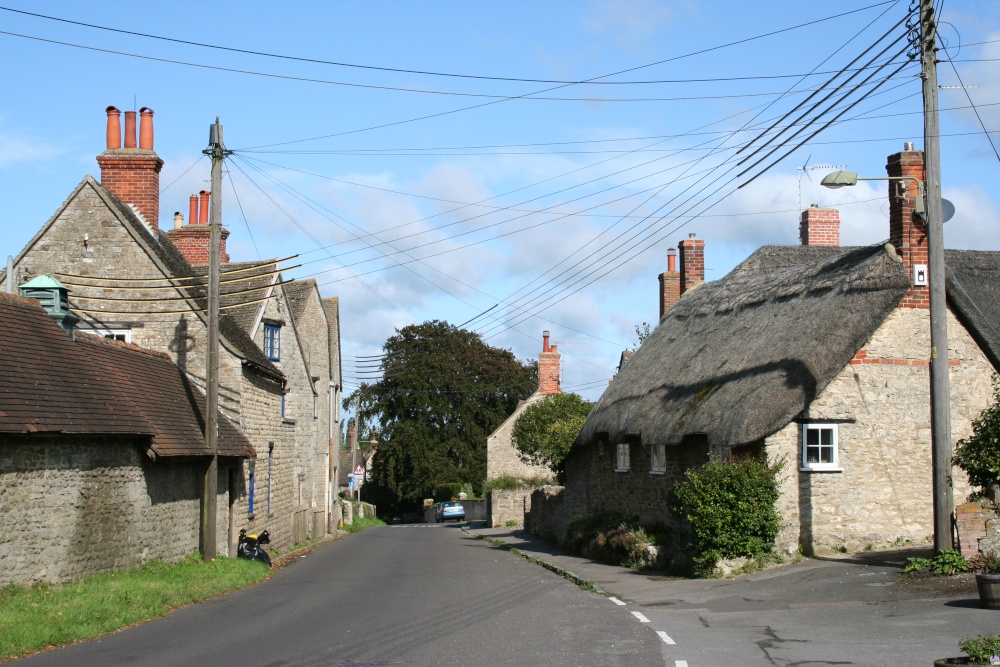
[209, 509]
[354, 441]
[944, 499]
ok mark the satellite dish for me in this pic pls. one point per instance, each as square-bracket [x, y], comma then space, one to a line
[947, 210]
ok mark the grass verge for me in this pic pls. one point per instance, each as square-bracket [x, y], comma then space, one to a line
[41, 616]
[362, 523]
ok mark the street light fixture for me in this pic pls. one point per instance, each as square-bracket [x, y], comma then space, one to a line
[840, 179]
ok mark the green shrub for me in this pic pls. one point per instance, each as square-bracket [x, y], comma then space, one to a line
[916, 564]
[979, 454]
[581, 532]
[981, 648]
[729, 507]
[502, 483]
[447, 491]
[946, 563]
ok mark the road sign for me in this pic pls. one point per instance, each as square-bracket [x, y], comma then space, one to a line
[359, 471]
[350, 480]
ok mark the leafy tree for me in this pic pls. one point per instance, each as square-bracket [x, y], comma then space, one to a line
[545, 431]
[979, 454]
[442, 392]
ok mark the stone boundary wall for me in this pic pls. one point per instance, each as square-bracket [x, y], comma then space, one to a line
[475, 510]
[977, 527]
[548, 517]
[503, 505]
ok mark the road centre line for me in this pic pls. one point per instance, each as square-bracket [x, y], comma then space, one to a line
[680, 663]
[642, 619]
[617, 601]
[665, 637]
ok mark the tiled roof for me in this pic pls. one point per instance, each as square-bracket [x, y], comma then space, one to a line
[50, 383]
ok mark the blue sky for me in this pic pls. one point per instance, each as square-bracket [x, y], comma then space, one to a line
[440, 211]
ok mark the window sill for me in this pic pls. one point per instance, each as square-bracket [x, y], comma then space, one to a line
[623, 470]
[658, 472]
[801, 469]
[290, 422]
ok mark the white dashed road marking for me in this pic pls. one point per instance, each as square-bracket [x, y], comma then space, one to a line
[680, 663]
[665, 637]
[642, 619]
[617, 602]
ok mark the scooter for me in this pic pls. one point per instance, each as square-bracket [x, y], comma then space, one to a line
[251, 547]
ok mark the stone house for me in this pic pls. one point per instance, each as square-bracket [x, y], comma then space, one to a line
[502, 458]
[102, 451]
[815, 355]
[279, 365]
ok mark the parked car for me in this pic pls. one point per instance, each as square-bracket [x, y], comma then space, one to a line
[450, 509]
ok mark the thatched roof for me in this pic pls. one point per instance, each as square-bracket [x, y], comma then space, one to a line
[737, 359]
[973, 284]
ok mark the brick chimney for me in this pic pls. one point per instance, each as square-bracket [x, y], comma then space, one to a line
[907, 231]
[692, 252]
[820, 226]
[194, 238]
[670, 283]
[548, 368]
[133, 174]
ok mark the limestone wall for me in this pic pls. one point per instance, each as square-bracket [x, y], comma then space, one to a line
[74, 506]
[507, 505]
[882, 493]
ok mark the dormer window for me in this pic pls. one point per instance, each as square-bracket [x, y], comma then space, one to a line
[272, 341]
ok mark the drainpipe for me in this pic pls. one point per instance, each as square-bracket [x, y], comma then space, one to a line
[10, 274]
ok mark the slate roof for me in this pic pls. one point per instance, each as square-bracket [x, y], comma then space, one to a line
[737, 359]
[50, 383]
[331, 306]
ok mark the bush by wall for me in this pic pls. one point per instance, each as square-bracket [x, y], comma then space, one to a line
[729, 508]
[447, 491]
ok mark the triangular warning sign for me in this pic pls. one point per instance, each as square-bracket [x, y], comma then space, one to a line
[359, 471]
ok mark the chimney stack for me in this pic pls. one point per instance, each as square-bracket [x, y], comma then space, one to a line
[548, 368]
[692, 251]
[670, 283]
[129, 173]
[820, 226]
[193, 239]
[907, 230]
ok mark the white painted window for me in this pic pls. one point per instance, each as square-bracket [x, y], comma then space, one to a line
[820, 447]
[622, 462]
[124, 335]
[658, 459]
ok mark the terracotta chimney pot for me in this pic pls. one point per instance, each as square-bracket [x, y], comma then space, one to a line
[129, 129]
[193, 210]
[114, 127]
[672, 260]
[203, 215]
[146, 128]
[545, 341]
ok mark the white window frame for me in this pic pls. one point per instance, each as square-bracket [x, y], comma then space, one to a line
[124, 335]
[821, 466]
[622, 457]
[654, 450]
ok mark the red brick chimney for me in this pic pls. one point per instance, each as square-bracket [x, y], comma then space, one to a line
[692, 262]
[820, 226]
[133, 174]
[193, 238]
[907, 231]
[548, 368]
[670, 283]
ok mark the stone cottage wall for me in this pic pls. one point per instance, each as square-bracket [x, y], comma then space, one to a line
[880, 402]
[502, 458]
[505, 505]
[74, 506]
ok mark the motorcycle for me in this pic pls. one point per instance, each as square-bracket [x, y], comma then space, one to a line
[251, 547]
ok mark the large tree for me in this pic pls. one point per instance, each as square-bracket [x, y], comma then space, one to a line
[545, 431]
[443, 391]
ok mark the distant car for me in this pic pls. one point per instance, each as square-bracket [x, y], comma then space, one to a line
[450, 509]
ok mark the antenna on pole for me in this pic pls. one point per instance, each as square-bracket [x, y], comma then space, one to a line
[804, 171]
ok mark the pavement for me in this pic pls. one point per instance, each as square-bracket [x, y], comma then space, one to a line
[846, 610]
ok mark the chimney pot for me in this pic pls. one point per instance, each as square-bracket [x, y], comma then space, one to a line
[672, 260]
[146, 128]
[545, 341]
[908, 146]
[114, 127]
[129, 129]
[203, 214]
[193, 210]
[691, 235]
[178, 220]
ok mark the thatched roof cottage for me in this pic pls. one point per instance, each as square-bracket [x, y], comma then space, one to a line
[814, 354]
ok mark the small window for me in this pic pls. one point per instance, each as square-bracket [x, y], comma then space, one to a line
[819, 447]
[282, 406]
[123, 335]
[658, 459]
[250, 487]
[272, 342]
[622, 462]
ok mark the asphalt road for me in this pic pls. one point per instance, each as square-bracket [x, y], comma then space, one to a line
[396, 595]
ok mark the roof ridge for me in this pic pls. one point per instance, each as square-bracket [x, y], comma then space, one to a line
[17, 298]
[86, 337]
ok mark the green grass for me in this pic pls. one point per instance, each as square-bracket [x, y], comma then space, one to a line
[362, 523]
[37, 617]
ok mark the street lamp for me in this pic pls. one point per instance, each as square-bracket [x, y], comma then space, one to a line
[941, 448]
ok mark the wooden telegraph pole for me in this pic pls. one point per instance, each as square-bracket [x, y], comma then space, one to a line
[209, 507]
[944, 499]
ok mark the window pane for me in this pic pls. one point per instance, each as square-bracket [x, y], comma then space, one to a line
[826, 454]
[812, 454]
[826, 436]
[812, 437]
